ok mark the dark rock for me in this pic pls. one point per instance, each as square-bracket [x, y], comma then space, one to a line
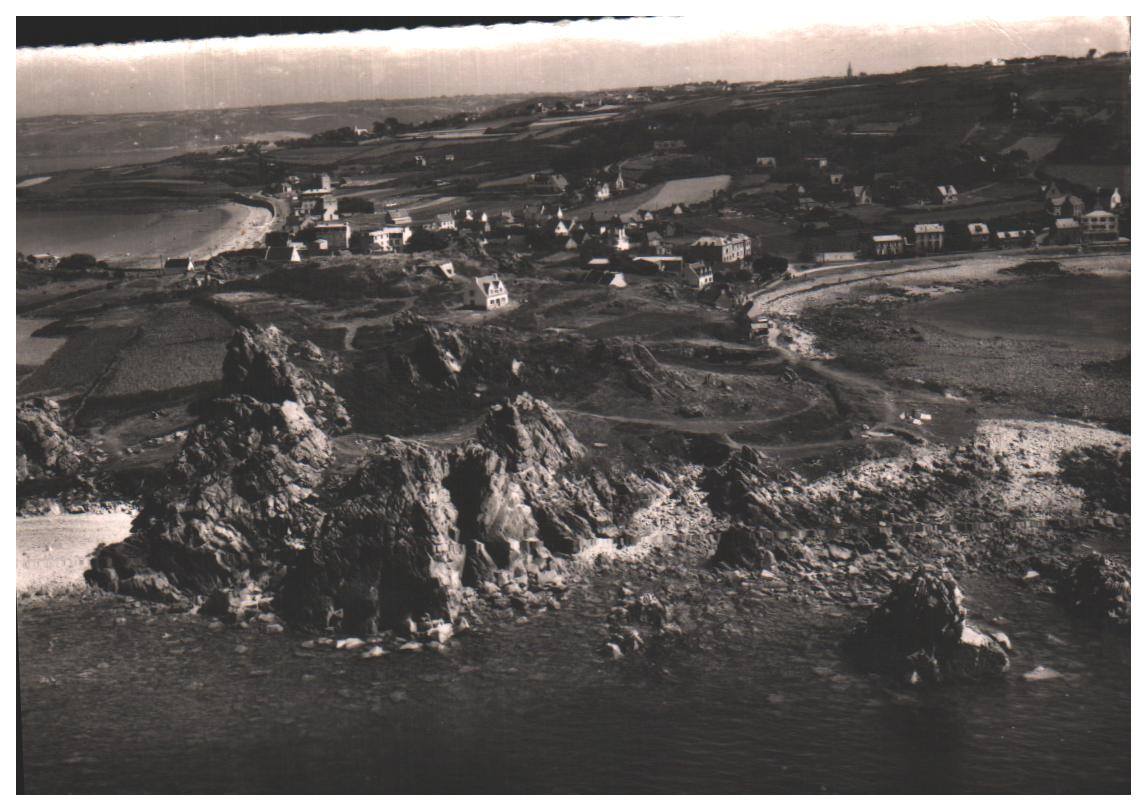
[1098, 589]
[392, 532]
[257, 365]
[920, 633]
[44, 448]
[746, 548]
[237, 501]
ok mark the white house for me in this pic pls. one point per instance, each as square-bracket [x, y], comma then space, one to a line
[887, 245]
[487, 293]
[767, 163]
[601, 192]
[928, 236]
[699, 275]
[946, 195]
[445, 222]
[390, 238]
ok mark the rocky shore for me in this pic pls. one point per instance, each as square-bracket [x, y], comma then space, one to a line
[255, 519]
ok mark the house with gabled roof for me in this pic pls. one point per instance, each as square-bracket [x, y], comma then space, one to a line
[979, 233]
[1098, 226]
[486, 293]
[945, 195]
[928, 237]
[884, 245]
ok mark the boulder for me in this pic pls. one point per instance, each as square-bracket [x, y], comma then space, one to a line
[1097, 588]
[257, 365]
[747, 548]
[526, 432]
[920, 633]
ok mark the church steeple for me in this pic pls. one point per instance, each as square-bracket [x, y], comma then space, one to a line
[849, 70]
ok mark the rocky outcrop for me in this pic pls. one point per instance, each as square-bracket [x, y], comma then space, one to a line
[920, 634]
[641, 371]
[258, 365]
[237, 499]
[388, 549]
[640, 624]
[417, 522]
[45, 449]
[1097, 588]
[437, 357]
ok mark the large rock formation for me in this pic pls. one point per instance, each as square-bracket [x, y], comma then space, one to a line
[641, 371]
[257, 365]
[920, 633]
[388, 549]
[248, 508]
[417, 522]
[1097, 588]
[237, 499]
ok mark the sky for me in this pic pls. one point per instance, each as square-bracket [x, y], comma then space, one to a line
[525, 58]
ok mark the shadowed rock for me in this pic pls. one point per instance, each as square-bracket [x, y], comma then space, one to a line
[257, 365]
[45, 449]
[1097, 588]
[919, 633]
[387, 550]
[237, 499]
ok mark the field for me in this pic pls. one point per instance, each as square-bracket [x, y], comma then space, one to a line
[181, 346]
[31, 350]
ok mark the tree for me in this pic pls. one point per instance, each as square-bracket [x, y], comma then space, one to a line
[768, 267]
[355, 205]
[77, 261]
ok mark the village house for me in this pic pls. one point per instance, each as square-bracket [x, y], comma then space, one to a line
[834, 257]
[1111, 200]
[443, 270]
[861, 196]
[420, 160]
[945, 195]
[43, 261]
[767, 163]
[928, 237]
[1065, 231]
[618, 239]
[400, 216]
[282, 253]
[601, 191]
[887, 245]
[979, 233]
[487, 293]
[619, 183]
[444, 222]
[181, 263]
[336, 235]
[318, 204]
[1015, 239]
[1065, 205]
[390, 238]
[698, 275]
[1099, 225]
[725, 250]
[835, 178]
